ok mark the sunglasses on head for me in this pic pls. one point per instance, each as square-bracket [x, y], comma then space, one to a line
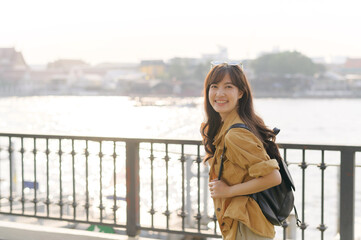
[231, 63]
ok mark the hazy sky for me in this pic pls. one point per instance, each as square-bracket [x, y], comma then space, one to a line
[133, 30]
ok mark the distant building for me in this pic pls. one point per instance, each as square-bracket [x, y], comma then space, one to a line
[352, 72]
[152, 68]
[13, 72]
[11, 60]
[67, 64]
[183, 69]
[122, 80]
[352, 66]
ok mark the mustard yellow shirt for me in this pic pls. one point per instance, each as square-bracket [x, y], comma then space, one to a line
[245, 159]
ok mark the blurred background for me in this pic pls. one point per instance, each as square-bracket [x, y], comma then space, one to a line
[160, 48]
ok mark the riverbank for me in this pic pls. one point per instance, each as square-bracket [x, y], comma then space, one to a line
[257, 94]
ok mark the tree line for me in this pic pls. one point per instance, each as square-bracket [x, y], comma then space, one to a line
[270, 64]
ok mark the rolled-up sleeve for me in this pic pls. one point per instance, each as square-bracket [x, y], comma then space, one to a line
[247, 151]
[263, 168]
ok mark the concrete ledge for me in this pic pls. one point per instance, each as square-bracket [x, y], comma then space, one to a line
[22, 231]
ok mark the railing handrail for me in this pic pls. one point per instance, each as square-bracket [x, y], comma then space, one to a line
[327, 147]
[98, 138]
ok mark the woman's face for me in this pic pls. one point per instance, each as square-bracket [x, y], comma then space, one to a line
[223, 96]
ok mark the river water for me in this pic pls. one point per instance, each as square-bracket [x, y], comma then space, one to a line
[316, 121]
[322, 121]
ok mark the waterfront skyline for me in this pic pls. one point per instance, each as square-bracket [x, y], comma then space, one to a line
[131, 31]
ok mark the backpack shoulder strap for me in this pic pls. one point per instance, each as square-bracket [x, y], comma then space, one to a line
[239, 125]
[242, 125]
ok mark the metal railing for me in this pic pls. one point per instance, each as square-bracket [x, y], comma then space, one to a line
[144, 184]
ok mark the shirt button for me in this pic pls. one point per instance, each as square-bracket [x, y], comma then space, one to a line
[218, 209]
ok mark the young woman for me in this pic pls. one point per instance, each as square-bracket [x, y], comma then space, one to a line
[247, 168]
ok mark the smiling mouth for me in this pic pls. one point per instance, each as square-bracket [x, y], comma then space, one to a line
[220, 101]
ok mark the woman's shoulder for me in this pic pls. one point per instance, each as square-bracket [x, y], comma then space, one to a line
[244, 148]
[242, 137]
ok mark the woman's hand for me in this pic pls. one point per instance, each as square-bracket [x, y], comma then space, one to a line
[219, 189]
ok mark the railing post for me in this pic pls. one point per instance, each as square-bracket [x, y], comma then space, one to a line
[132, 182]
[189, 218]
[347, 194]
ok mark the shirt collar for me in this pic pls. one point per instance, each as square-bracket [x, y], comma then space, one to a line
[231, 119]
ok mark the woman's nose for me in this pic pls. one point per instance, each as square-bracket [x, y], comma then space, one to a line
[220, 92]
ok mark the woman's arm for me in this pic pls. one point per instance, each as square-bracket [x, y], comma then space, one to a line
[220, 189]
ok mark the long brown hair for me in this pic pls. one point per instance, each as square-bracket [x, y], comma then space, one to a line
[245, 111]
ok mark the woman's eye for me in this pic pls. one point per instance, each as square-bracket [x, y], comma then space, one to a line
[213, 86]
